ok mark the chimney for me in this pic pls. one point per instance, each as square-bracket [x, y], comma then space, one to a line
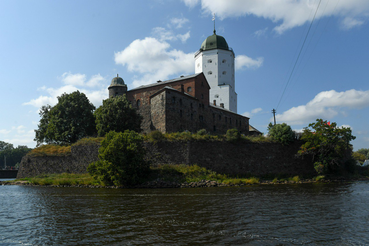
[182, 88]
[222, 105]
[215, 102]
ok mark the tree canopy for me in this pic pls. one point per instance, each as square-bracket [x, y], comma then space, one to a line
[328, 144]
[68, 121]
[13, 156]
[364, 152]
[117, 114]
[121, 159]
[281, 133]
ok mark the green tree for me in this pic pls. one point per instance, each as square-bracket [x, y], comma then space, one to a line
[121, 159]
[5, 146]
[12, 155]
[359, 157]
[328, 144]
[281, 133]
[233, 135]
[117, 114]
[364, 152]
[68, 121]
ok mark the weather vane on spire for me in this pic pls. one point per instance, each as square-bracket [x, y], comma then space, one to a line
[214, 22]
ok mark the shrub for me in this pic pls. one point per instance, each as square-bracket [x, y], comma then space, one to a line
[233, 135]
[281, 133]
[50, 150]
[121, 160]
[201, 132]
[155, 136]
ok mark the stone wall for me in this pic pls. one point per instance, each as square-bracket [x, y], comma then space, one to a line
[76, 162]
[238, 159]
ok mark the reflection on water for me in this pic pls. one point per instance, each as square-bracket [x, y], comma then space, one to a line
[312, 214]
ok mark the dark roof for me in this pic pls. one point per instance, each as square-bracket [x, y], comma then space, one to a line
[214, 42]
[166, 81]
[117, 81]
[229, 111]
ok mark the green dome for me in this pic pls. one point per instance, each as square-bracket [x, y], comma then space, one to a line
[214, 42]
[117, 81]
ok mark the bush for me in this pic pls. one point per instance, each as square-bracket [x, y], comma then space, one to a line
[233, 135]
[121, 160]
[202, 132]
[155, 136]
[281, 133]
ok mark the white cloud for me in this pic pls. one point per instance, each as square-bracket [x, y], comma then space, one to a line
[73, 83]
[254, 111]
[325, 105]
[288, 14]
[4, 131]
[154, 60]
[261, 32]
[163, 34]
[349, 23]
[243, 61]
[178, 22]
[184, 37]
[191, 3]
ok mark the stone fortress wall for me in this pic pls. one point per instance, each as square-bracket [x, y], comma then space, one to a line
[237, 159]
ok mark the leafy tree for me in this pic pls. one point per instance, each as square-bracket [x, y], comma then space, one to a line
[359, 157]
[68, 121]
[12, 155]
[328, 144]
[117, 114]
[121, 159]
[281, 133]
[5, 146]
[364, 152]
[233, 135]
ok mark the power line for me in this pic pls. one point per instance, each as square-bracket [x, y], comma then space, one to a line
[294, 66]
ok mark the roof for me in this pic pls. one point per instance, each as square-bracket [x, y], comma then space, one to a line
[166, 81]
[214, 42]
[224, 109]
[117, 81]
[253, 129]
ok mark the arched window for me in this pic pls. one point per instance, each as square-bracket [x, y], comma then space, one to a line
[138, 103]
[210, 72]
[216, 96]
[189, 89]
[210, 61]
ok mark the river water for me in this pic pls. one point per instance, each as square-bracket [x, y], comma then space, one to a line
[304, 214]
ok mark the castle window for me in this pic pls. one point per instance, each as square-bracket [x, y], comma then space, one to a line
[230, 121]
[213, 116]
[173, 100]
[191, 116]
[236, 122]
[191, 105]
[225, 119]
[180, 113]
[216, 96]
[138, 103]
[210, 72]
[189, 89]
[224, 72]
[180, 102]
[214, 128]
[201, 118]
[224, 61]
[210, 61]
[202, 96]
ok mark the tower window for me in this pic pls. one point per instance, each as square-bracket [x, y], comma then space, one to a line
[210, 61]
[224, 72]
[210, 72]
[224, 61]
[216, 96]
[138, 103]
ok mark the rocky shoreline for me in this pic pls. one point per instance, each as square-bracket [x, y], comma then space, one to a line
[156, 184]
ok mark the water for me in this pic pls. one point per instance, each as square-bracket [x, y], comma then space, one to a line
[308, 214]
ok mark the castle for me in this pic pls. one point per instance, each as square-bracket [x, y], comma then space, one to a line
[204, 100]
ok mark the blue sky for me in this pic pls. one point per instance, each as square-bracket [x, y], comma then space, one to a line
[51, 47]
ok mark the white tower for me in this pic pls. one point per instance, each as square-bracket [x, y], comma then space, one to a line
[216, 60]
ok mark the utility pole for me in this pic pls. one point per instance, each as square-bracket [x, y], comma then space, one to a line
[273, 111]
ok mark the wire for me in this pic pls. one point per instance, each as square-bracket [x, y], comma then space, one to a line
[294, 66]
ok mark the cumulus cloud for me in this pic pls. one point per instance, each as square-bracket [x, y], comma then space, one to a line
[154, 59]
[94, 88]
[243, 61]
[261, 32]
[254, 111]
[326, 105]
[288, 14]
[4, 131]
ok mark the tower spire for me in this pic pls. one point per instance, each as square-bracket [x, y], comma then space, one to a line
[214, 22]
